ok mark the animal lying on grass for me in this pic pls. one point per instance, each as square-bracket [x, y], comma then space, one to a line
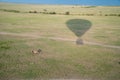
[37, 51]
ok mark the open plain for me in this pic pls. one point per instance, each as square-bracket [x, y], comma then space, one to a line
[77, 42]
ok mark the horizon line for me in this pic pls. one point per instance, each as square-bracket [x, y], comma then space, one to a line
[53, 4]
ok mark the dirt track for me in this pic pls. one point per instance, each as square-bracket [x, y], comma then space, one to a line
[58, 38]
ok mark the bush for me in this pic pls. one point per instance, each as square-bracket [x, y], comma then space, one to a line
[67, 13]
[45, 10]
[30, 11]
[106, 14]
[113, 15]
[6, 10]
[52, 13]
[89, 14]
[35, 12]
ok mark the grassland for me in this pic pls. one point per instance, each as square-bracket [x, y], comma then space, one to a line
[60, 59]
[73, 9]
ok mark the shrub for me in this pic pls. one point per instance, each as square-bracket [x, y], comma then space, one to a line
[6, 10]
[113, 15]
[35, 12]
[89, 14]
[52, 13]
[106, 14]
[118, 14]
[67, 13]
[30, 11]
[45, 10]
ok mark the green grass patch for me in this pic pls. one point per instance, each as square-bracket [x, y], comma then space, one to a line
[4, 45]
[59, 60]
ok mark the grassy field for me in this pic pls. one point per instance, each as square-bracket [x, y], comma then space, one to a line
[22, 32]
[73, 9]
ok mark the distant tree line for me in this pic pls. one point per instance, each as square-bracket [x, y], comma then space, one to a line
[65, 13]
[8, 10]
[81, 14]
[46, 12]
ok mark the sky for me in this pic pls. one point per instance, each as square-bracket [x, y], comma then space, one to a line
[72, 2]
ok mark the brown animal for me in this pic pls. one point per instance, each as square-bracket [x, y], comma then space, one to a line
[36, 51]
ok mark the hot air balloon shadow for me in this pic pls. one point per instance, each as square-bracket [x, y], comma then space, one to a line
[79, 27]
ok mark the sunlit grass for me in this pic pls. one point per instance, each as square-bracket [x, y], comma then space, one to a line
[65, 59]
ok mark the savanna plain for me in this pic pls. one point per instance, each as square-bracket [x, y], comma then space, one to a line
[72, 39]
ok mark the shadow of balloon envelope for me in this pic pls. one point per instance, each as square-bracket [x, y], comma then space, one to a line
[79, 27]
